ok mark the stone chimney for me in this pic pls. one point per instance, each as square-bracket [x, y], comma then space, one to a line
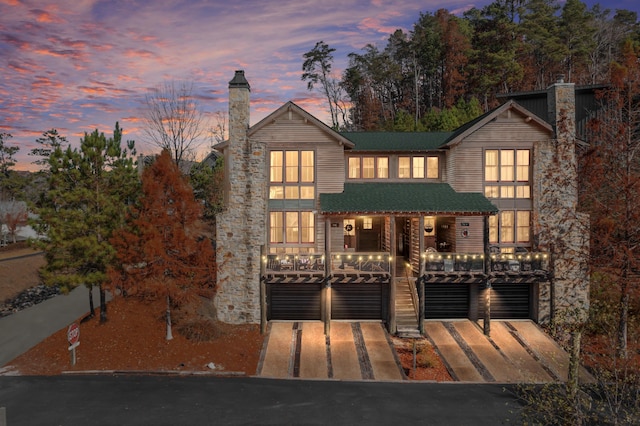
[240, 228]
[559, 228]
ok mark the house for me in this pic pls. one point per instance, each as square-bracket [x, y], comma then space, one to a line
[477, 223]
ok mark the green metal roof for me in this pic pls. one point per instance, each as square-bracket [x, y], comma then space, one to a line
[388, 197]
[397, 141]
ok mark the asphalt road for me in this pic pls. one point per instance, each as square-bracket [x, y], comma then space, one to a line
[149, 400]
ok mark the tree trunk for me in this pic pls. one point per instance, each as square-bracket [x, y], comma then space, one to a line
[91, 306]
[624, 319]
[169, 335]
[103, 306]
[574, 364]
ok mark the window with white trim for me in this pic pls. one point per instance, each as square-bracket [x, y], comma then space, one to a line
[291, 227]
[292, 175]
[417, 167]
[368, 167]
[507, 173]
[510, 228]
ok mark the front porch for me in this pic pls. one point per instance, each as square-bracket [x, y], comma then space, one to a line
[379, 286]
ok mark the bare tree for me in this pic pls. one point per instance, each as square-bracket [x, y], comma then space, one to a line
[14, 216]
[174, 120]
[218, 132]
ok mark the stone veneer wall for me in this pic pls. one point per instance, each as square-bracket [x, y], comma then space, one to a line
[558, 226]
[241, 227]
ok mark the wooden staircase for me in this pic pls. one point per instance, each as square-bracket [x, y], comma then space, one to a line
[406, 307]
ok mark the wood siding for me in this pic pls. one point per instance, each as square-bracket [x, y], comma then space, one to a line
[509, 130]
[292, 132]
[474, 241]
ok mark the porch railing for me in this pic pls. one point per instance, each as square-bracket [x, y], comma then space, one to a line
[374, 263]
[453, 262]
[475, 262]
[294, 263]
[520, 262]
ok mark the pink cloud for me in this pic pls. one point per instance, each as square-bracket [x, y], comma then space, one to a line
[45, 17]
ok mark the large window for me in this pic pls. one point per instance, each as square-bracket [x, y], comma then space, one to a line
[292, 227]
[292, 175]
[510, 228]
[507, 173]
[368, 167]
[418, 167]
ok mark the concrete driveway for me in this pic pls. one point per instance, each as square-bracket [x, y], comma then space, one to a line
[516, 352]
[352, 351]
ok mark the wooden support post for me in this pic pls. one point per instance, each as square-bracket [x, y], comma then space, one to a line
[420, 281]
[263, 290]
[327, 277]
[393, 328]
[487, 272]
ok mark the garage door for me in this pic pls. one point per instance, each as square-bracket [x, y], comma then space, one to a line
[294, 301]
[446, 300]
[359, 301]
[508, 301]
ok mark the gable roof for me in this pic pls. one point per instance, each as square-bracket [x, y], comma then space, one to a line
[466, 129]
[291, 107]
[397, 141]
[405, 198]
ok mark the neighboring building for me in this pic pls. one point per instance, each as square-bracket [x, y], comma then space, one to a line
[322, 225]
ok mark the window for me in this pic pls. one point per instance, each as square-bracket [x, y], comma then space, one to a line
[383, 167]
[367, 223]
[354, 167]
[523, 230]
[368, 167]
[276, 166]
[404, 167]
[493, 229]
[276, 227]
[510, 227]
[506, 173]
[506, 227]
[433, 168]
[291, 227]
[416, 168]
[294, 171]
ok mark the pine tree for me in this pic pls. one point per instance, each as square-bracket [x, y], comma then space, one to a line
[160, 251]
[89, 187]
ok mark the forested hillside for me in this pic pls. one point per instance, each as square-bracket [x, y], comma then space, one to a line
[448, 68]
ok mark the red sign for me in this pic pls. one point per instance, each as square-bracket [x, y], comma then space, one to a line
[73, 334]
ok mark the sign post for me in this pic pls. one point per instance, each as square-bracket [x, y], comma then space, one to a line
[73, 336]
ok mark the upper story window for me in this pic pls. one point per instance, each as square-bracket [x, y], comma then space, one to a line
[417, 167]
[368, 167]
[292, 175]
[507, 173]
[510, 228]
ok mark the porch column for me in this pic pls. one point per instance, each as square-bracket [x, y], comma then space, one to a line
[392, 290]
[487, 272]
[327, 276]
[419, 281]
[263, 290]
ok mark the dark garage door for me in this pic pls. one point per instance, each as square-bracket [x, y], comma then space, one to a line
[446, 300]
[359, 301]
[294, 301]
[508, 301]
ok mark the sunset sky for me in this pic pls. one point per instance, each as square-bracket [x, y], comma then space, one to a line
[78, 65]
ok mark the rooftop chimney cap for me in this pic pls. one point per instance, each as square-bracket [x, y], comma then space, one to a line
[239, 80]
